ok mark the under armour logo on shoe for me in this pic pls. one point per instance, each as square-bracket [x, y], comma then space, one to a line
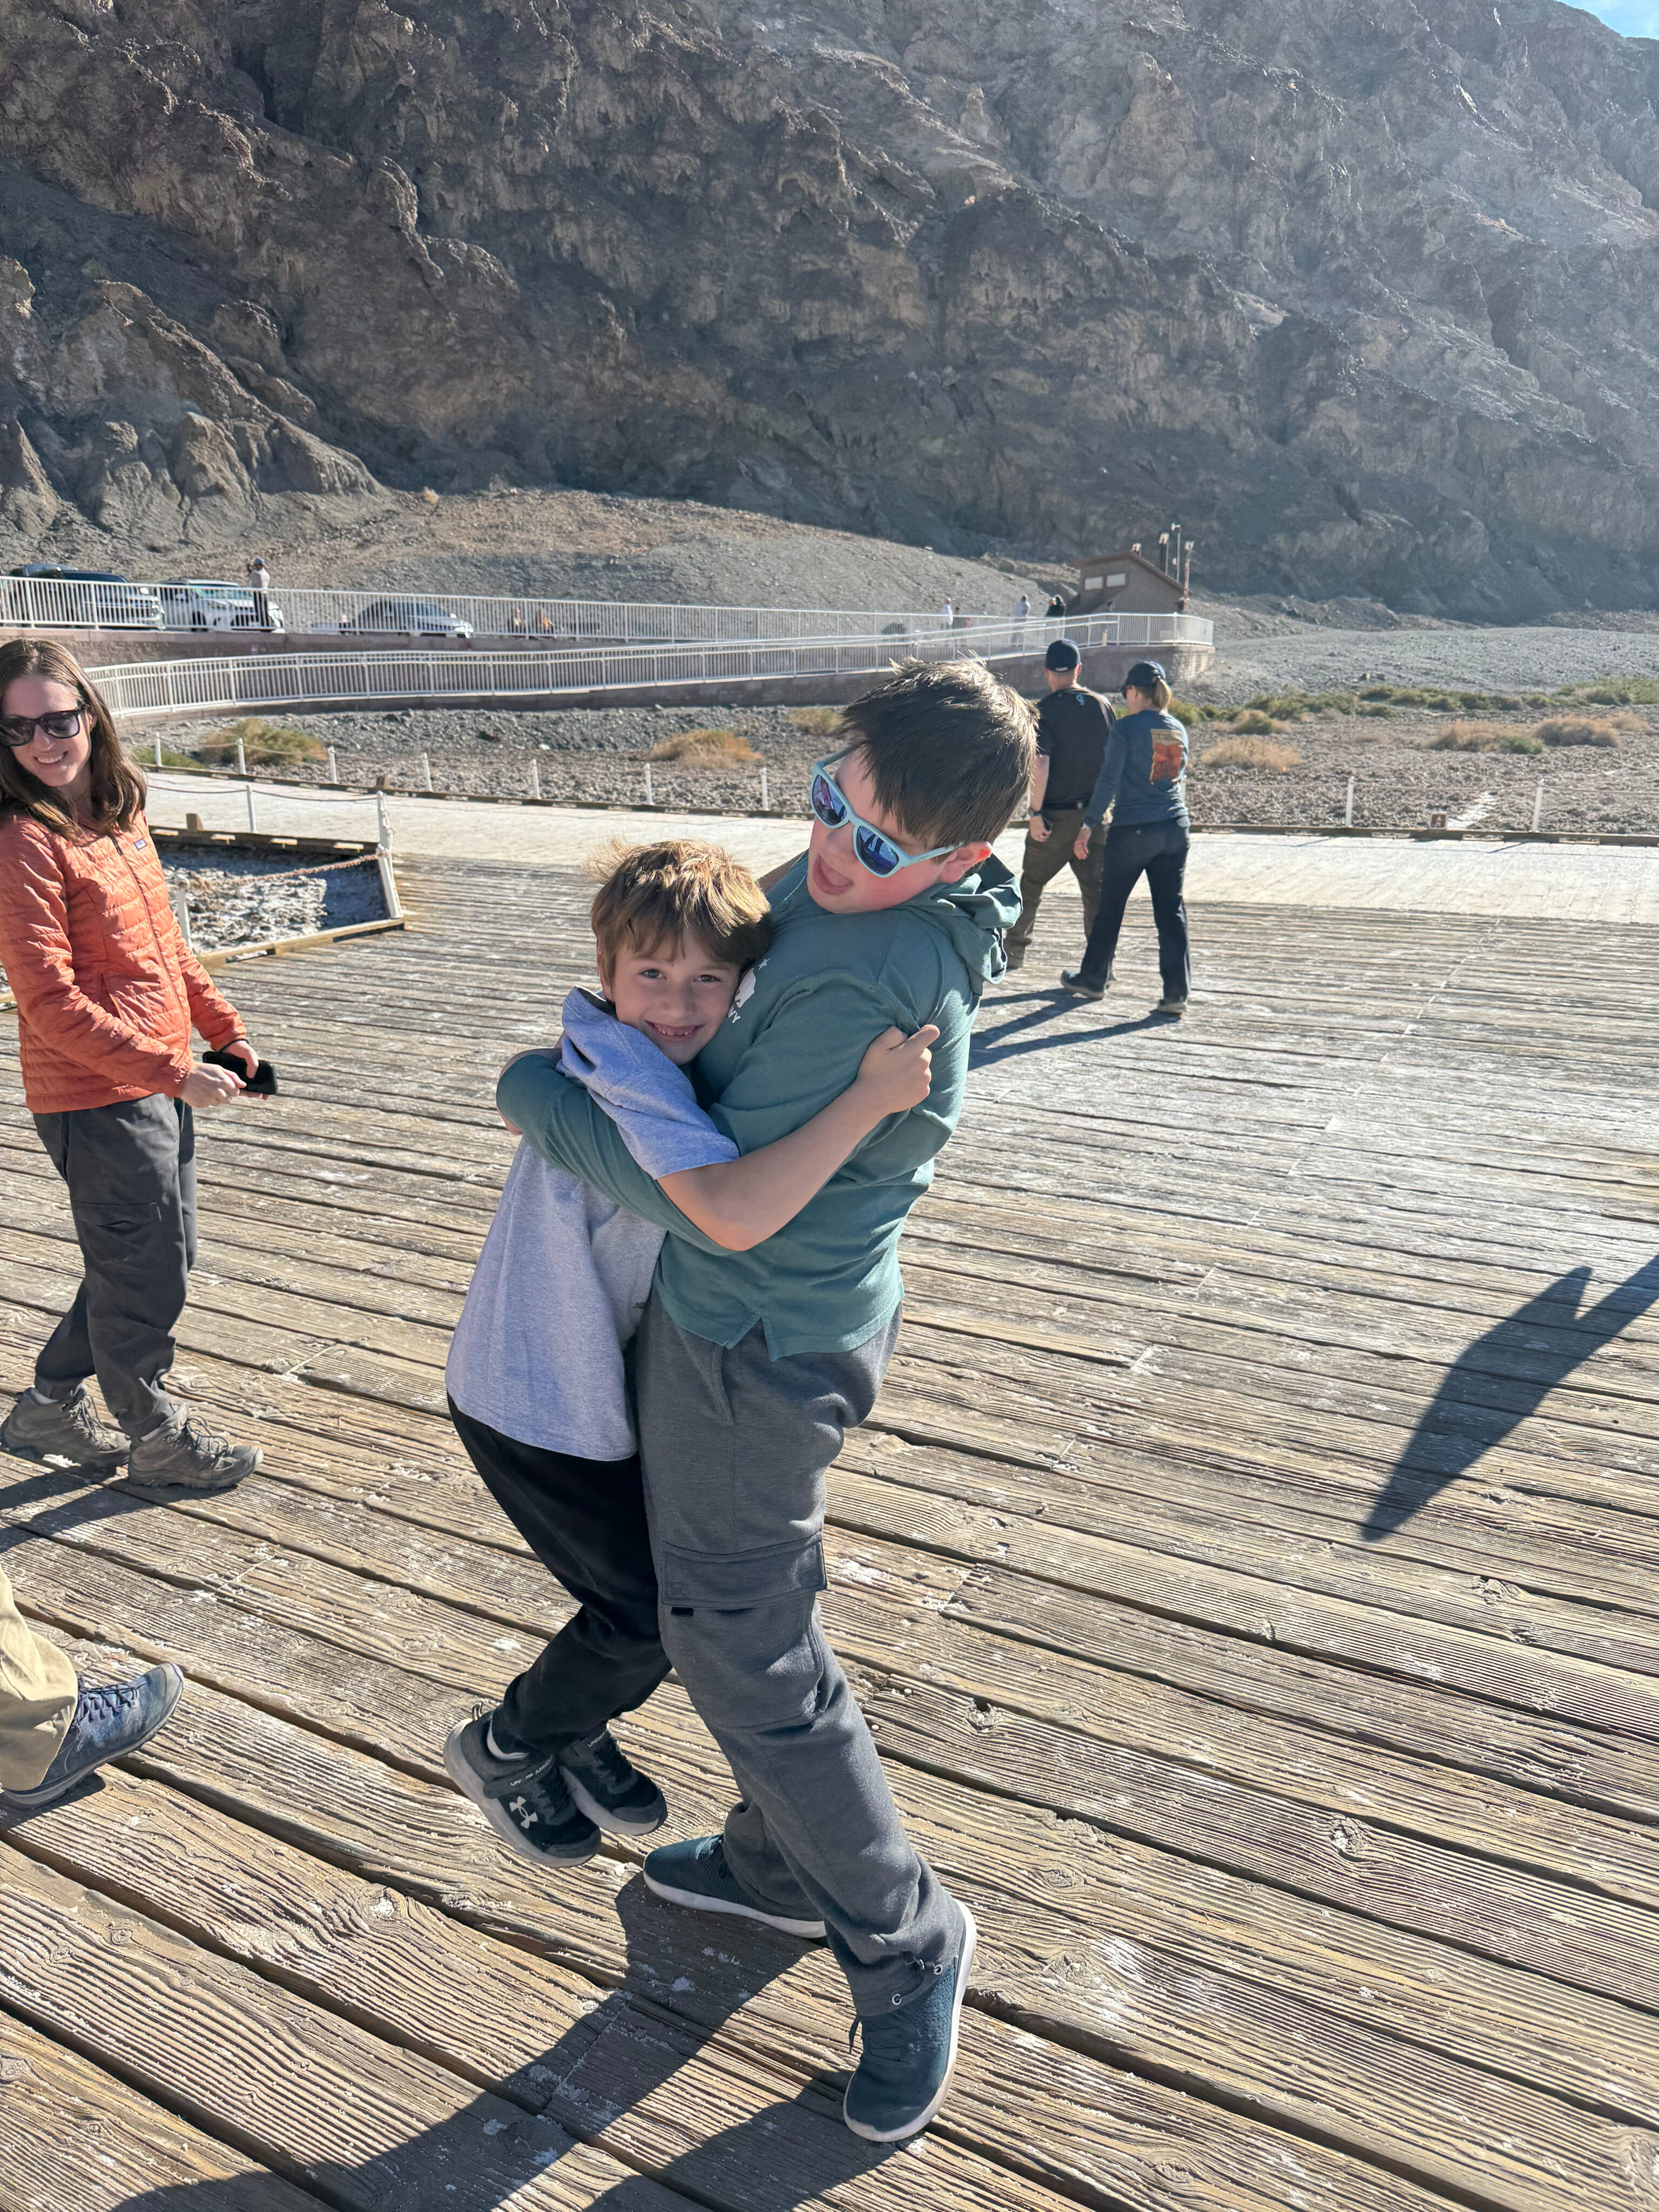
[520, 1808]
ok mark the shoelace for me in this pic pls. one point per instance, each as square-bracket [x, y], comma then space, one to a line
[105, 1701]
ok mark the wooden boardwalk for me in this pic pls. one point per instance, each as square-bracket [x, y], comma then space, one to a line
[1251, 1572]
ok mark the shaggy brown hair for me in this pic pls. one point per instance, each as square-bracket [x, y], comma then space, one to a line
[950, 749]
[118, 788]
[656, 895]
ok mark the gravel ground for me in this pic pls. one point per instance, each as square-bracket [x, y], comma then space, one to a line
[247, 900]
[1320, 660]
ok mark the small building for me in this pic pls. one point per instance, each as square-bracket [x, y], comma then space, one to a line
[1127, 584]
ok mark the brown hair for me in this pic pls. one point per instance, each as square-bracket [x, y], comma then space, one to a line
[118, 788]
[657, 894]
[950, 750]
[1160, 695]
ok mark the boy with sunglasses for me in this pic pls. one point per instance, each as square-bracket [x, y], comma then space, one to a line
[750, 1366]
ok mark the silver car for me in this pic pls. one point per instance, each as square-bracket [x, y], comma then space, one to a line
[199, 603]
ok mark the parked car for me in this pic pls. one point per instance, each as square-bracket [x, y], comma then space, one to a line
[99, 599]
[196, 603]
[406, 618]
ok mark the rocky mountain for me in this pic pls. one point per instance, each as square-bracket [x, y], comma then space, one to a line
[1366, 299]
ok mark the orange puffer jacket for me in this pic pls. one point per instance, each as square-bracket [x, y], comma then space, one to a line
[107, 990]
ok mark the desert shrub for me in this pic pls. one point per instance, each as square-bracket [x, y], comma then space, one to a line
[819, 721]
[1188, 711]
[1250, 752]
[704, 749]
[145, 755]
[1373, 709]
[1581, 730]
[1617, 691]
[264, 744]
[1251, 722]
[1469, 738]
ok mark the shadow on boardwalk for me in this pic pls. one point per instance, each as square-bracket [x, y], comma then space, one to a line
[1516, 1364]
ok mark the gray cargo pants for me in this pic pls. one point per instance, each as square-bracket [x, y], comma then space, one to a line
[735, 1446]
[130, 1170]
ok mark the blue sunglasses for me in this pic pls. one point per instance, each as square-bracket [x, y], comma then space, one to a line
[876, 850]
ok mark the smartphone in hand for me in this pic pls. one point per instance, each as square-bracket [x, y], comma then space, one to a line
[262, 1083]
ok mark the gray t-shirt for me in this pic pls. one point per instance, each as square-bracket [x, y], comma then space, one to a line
[565, 1273]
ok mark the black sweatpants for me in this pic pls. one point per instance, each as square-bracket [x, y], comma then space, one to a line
[585, 1521]
[130, 1170]
[1159, 851]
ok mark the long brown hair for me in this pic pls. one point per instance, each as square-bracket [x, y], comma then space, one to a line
[118, 788]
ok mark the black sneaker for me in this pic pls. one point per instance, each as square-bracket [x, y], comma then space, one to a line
[110, 1720]
[523, 1800]
[1071, 980]
[63, 1429]
[609, 1788]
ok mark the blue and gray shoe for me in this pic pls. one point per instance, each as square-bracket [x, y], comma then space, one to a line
[910, 2054]
[523, 1800]
[109, 1719]
[695, 1873]
[609, 1788]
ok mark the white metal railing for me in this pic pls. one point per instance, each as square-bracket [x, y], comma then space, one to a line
[297, 680]
[51, 602]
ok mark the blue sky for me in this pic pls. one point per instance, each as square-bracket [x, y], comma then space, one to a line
[1637, 19]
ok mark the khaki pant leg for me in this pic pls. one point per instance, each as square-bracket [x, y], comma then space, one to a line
[1043, 861]
[38, 1691]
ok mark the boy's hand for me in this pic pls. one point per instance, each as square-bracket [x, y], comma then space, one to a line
[898, 1070]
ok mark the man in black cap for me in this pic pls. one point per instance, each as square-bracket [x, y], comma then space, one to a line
[1072, 727]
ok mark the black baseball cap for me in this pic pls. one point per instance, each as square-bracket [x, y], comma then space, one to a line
[1062, 654]
[1144, 674]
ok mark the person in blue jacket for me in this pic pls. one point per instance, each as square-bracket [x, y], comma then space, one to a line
[1143, 779]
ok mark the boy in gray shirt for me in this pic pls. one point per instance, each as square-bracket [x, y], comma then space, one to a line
[536, 1374]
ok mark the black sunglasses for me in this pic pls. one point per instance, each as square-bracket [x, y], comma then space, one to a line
[20, 731]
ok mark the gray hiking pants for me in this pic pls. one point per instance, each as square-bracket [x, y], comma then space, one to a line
[130, 1170]
[735, 1446]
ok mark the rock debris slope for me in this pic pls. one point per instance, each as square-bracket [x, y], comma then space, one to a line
[1367, 298]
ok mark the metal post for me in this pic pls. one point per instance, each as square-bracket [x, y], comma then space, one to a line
[649, 799]
[383, 833]
[1348, 814]
[241, 758]
[158, 764]
[180, 906]
[1538, 804]
[333, 767]
[535, 778]
[765, 808]
[425, 769]
[252, 824]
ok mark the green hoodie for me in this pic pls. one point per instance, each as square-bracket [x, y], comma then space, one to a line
[802, 1021]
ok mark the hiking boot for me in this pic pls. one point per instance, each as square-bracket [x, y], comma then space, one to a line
[1172, 1009]
[695, 1873]
[609, 1788]
[109, 1720]
[910, 2053]
[523, 1800]
[188, 1462]
[65, 1429]
[1074, 981]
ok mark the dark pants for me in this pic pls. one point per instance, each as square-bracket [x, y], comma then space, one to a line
[130, 1170]
[1044, 859]
[585, 1521]
[1158, 852]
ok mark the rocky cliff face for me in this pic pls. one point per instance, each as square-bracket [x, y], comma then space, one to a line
[1368, 301]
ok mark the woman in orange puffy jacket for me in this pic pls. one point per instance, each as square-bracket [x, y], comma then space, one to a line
[106, 994]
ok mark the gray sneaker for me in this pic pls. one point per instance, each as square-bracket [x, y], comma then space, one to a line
[695, 1873]
[188, 1462]
[109, 1720]
[63, 1429]
[910, 2054]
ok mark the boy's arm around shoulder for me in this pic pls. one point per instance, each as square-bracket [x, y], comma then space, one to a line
[570, 1128]
[809, 1050]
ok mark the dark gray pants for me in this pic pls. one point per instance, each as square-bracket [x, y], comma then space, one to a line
[735, 1446]
[130, 1170]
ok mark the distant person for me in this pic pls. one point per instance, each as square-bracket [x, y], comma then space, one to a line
[106, 995]
[1056, 609]
[1073, 728]
[55, 1729]
[1022, 608]
[947, 615]
[1143, 779]
[258, 577]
